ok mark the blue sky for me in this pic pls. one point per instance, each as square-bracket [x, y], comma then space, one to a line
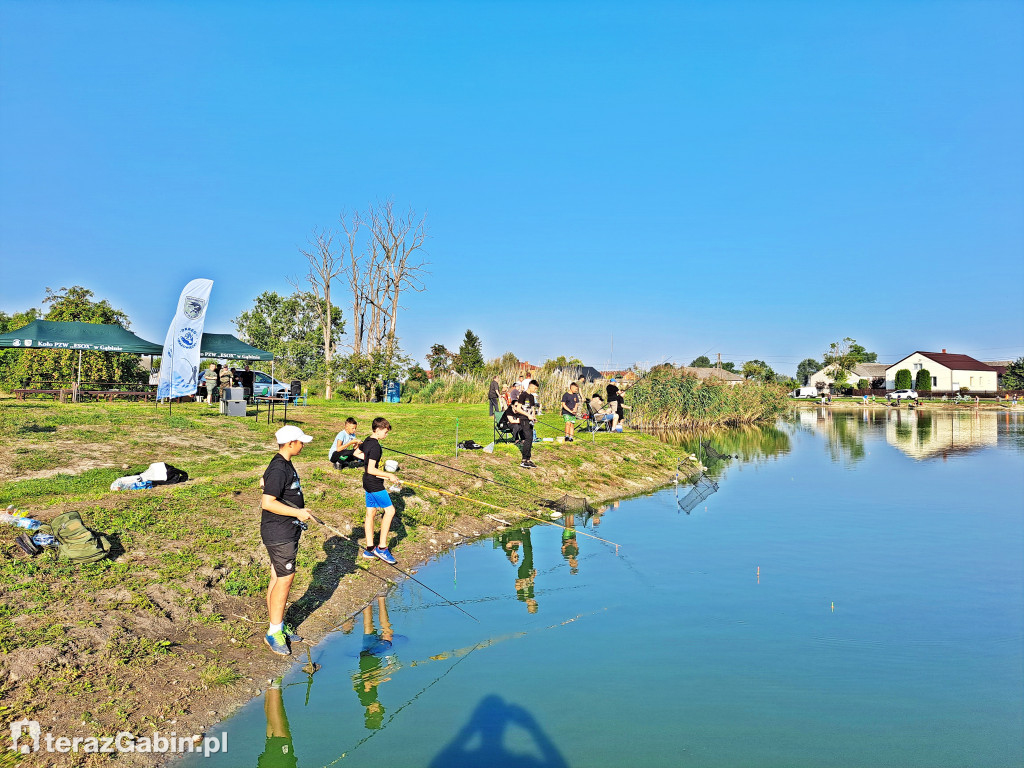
[751, 178]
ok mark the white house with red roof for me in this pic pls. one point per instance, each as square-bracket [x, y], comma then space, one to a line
[949, 372]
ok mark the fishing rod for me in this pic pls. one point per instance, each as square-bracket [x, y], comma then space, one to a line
[507, 509]
[453, 605]
[404, 573]
[453, 469]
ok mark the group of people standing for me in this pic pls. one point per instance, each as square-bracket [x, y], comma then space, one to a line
[219, 377]
[518, 407]
[284, 515]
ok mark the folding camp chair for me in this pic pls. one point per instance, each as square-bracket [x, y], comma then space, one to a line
[502, 429]
[594, 422]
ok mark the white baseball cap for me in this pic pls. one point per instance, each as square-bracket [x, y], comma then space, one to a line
[291, 432]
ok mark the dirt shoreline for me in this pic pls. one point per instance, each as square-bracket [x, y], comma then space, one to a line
[178, 654]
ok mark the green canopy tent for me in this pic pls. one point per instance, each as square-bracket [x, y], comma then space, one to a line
[228, 347]
[51, 334]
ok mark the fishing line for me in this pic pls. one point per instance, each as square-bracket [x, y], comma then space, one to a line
[453, 605]
[454, 469]
[508, 509]
[404, 573]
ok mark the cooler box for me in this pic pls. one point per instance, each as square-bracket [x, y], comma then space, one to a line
[235, 407]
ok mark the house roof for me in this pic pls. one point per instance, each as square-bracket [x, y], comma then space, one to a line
[869, 370]
[712, 373]
[952, 361]
[587, 371]
[999, 365]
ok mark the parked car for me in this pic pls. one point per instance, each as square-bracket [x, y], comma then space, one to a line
[805, 392]
[901, 394]
[265, 385]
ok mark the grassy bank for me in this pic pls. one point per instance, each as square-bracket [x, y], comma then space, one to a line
[171, 629]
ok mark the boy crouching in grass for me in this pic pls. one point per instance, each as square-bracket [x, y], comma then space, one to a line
[376, 496]
[281, 525]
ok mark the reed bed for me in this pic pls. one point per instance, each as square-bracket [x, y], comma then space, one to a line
[670, 399]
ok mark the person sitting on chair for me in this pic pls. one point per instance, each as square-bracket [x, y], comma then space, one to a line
[345, 448]
[602, 412]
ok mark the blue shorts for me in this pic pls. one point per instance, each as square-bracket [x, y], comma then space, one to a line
[378, 500]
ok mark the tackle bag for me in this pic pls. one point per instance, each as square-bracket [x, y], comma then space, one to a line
[75, 542]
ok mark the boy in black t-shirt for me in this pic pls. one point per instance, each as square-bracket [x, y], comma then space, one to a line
[283, 511]
[525, 409]
[376, 496]
[570, 407]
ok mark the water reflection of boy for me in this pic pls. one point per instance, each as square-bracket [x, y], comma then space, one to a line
[279, 751]
[371, 672]
[526, 575]
[570, 548]
[509, 542]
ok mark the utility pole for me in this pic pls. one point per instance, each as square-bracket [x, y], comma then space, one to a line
[719, 365]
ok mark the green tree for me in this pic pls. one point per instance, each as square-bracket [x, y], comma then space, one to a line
[1013, 379]
[470, 358]
[9, 358]
[418, 374]
[291, 328]
[560, 362]
[76, 304]
[440, 359]
[731, 367]
[863, 384]
[923, 381]
[368, 372]
[758, 370]
[807, 368]
[701, 362]
[843, 356]
[904, 380]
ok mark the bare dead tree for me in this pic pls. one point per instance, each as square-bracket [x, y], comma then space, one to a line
[399, 239]
[356, 279]
[324, 266]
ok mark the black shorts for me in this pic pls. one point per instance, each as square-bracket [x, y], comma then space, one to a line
[282, 556]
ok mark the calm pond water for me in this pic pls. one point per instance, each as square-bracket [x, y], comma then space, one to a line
[849, 591]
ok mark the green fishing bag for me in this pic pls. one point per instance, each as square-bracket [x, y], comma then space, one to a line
[75, 542]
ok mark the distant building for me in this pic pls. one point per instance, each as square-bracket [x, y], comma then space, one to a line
[589, 372]
[949, 372]
[1000, 366]
[730, 378]
[826, 376]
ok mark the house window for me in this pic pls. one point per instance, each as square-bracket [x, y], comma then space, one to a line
[918, 367]
[935, 381]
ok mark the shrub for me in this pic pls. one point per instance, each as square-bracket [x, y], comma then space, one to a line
[924, 381]
[863, 384]
[903, 379]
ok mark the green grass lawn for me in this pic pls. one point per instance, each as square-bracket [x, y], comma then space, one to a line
[189, 559]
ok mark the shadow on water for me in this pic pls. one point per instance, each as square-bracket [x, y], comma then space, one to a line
[482, 740]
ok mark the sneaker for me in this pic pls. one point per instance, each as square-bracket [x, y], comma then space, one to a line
[531, 465]
[367, 554]
[384, 554]
[527, 464]
[289, 633]
[278, 643]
